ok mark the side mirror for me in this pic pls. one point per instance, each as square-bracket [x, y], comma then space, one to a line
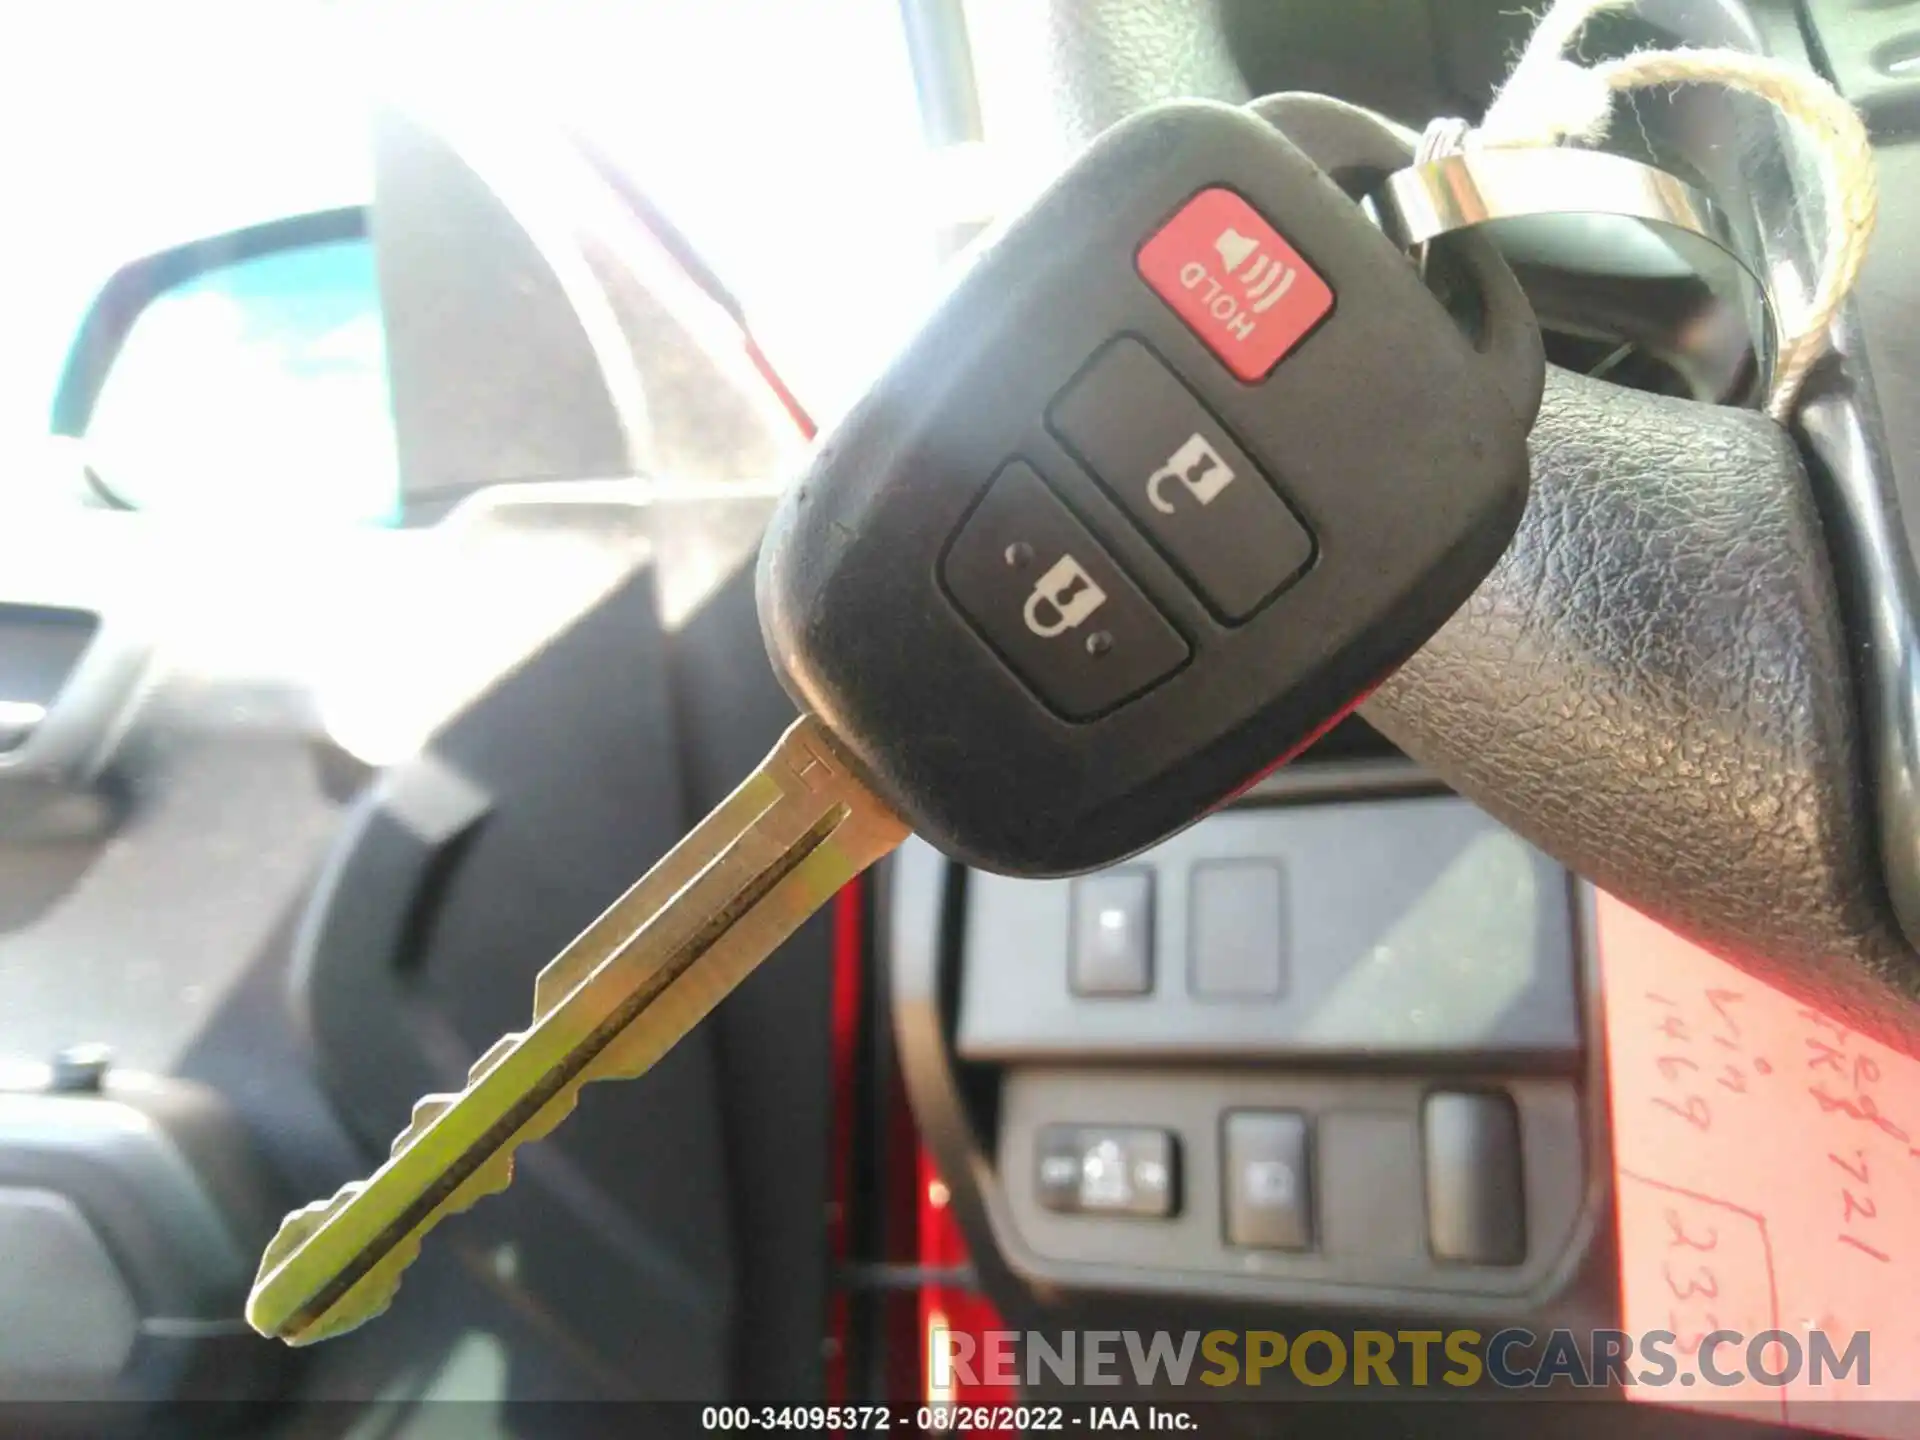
[240, 375]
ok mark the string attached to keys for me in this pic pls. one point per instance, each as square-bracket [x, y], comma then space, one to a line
[1551, 99]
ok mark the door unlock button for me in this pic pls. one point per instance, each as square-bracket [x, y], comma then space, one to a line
[1197, 466]
[1180, 475]
[1040, 590]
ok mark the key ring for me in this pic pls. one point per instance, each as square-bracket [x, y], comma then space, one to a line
[1589, 231]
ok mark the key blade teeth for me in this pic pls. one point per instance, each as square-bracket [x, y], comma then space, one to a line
[350, 1314]
[367, 1300]
[375, 1291]
[295, 1231]
[554, 983]
[622, 994]
[299, 1226]
[430, 1108]
[496, 1052]
[426, 1110]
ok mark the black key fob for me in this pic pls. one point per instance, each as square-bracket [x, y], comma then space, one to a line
[1185, 464]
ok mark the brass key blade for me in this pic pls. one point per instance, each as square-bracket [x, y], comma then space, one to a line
[614, 1001]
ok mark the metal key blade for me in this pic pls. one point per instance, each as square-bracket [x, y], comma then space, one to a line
[615, 1000]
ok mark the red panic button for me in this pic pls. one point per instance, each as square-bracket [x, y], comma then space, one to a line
[1240, 287]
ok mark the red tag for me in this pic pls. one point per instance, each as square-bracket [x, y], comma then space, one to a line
[1237, 284]
[1767, 1166]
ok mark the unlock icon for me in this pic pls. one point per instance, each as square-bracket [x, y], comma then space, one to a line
[1197, 466]
[1062, 598]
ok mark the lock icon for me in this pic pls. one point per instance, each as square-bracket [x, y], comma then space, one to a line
[1062, 598]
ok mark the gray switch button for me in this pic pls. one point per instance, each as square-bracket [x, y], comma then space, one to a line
[1476, 1210]
[1150, 441]
[1367, 1167]
[1269, 1182]
[1112, 933]
[1236, 934]
[1107, 1170]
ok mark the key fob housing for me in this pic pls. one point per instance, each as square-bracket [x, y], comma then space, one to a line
[1185, 463]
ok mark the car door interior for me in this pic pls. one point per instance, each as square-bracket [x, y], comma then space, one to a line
[304, 935]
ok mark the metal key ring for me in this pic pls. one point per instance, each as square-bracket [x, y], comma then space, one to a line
[1621, 226]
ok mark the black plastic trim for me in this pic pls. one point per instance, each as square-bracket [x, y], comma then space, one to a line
[1578, 1288]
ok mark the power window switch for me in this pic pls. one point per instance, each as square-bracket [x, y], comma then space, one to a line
[1108, 1170]
[1269, 1180]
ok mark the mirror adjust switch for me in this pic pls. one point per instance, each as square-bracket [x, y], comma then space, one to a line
[1050, 600]
[1182, 478]
[1107, 1170]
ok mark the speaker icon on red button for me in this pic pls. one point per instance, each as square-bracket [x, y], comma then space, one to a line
[1236, 283]
[1267, 279]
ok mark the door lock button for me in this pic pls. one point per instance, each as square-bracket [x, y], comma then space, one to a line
[1045, 594]
[1182, 478]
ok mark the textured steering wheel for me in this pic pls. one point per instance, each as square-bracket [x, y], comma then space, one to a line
[1655, 685]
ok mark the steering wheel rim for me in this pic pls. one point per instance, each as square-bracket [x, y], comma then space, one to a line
[1656, 686]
